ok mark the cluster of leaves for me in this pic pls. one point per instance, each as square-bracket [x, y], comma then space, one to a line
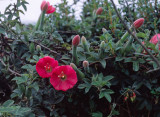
[114, 74]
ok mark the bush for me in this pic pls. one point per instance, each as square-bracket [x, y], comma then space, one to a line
[116, 76]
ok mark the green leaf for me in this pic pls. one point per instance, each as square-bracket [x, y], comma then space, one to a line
[20, 80]
[24, 6]
[36, 86]
[28, 67]
[119, 58]
[32, 48]
[8, 103]
[108, 78]
[87, 87]
[8, 109]
[97, 114]
[103, 63]
[2, 30]
[106, 93]
[135, 66]
[142, 35]
[108, 97]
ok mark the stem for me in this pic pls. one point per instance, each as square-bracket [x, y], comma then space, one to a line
[123, 38]
[74, 56]
[42, 19]
[85, 46]
[135, 37]
[128, 109]
[79, 73]
[10, 70]
[37, 24]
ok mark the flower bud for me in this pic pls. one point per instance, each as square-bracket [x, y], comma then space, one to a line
[38, 48]
[138, 23]
[83, 39]
[99, 11]
[85, 64]
[76, 40]
[104, 30]
[102, 50]
[73, 65]
[85, 44]
[44, 5]
[133, 97]
[155, 39]
[79, 73]
[102, 45]
[125, 98]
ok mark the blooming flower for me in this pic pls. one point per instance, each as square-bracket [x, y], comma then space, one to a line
[46, 6]
[99, 11]
[76, 40]
[45, 66]
[63, 78]
[138, 23]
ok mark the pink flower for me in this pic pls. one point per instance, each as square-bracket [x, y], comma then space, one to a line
[138, 23]
[46, 6]
[45, 66]
[99, 11]
[63, 78]
[76, 40]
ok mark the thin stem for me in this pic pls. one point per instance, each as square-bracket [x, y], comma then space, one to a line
[10, 70]
[134, 36]
[52, 51]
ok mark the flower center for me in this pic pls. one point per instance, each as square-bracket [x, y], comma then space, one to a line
[62, 75]
[48, 68]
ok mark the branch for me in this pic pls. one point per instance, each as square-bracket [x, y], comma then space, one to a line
[52, 51]
[153, 70]
[135, 37]
[10, 70]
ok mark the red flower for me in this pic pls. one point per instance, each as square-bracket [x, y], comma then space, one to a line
[138, 23]
[46, 6]
[99, 11]
[45, 66]
[63, 78]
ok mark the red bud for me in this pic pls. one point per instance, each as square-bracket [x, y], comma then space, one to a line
[125, 98]
[138, 23]
[76, 40]
[44, 5]
[155, 38]
[99, 11]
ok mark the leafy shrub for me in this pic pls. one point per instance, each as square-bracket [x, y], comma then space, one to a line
[115, 77]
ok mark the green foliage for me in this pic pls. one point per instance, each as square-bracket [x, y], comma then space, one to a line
[116, 72]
